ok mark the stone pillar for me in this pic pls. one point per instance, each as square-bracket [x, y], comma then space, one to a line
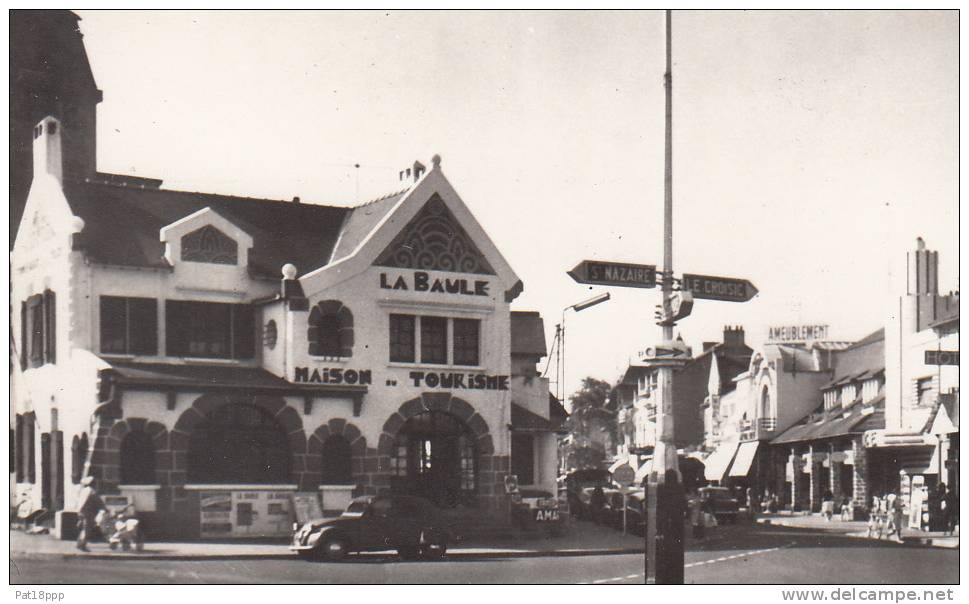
[835, 482]
[816, 487]
[860, 470]
[795, 492]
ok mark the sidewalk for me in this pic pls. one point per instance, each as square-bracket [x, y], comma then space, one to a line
[582, 539]
[854, 528]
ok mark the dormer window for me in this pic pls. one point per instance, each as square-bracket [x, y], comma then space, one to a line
[209, 244]
[330, 332]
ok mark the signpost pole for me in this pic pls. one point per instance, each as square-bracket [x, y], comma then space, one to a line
[665, 528]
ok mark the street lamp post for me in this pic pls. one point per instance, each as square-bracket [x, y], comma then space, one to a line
[560, 365]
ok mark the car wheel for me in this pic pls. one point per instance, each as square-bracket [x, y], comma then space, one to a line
[433, 551]
[333, 549]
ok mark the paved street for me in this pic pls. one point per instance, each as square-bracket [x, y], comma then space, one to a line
[741, 554]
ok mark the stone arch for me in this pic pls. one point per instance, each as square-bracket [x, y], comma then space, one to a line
[435, 401]
[106, 459]
[490, 467]
[358, 452]
[275, 407]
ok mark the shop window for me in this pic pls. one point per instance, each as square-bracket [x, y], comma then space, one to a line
[467, 335]
[336, 455]
[523, 458]
[137, 458]
[209, 330]
[330, 332]
[76, 464]
[434, 340]
[209, 244]
[402, 338]
[129, 325]
[38, 330]
[239, 444]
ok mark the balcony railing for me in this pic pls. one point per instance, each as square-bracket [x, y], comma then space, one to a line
[766, 424]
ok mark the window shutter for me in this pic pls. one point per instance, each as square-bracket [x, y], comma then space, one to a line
[23, 336]
[50, 327]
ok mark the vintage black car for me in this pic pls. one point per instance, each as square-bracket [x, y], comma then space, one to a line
[719, 502]
[410, 525]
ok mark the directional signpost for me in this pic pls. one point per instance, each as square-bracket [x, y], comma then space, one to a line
[725, 289]
[665, 498]
[594, 272]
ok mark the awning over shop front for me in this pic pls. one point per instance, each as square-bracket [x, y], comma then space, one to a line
[717, 463]
[744, 459]
[644, 471]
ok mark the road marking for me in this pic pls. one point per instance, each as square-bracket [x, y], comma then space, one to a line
[733, 557]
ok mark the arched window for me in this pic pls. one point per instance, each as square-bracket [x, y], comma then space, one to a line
[330, 332]
[137, 458]
[238, 444]
[336, 456]
[765, 411]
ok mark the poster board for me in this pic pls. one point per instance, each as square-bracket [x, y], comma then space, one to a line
[306, 505]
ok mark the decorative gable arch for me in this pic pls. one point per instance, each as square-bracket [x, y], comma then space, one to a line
[435, 240]
[209, 244]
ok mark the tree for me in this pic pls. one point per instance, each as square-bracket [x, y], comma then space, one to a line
[592, 425]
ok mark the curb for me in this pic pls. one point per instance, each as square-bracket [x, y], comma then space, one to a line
[910, 541]
[452, 555]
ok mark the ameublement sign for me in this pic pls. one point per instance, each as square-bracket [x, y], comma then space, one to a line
[797, 333]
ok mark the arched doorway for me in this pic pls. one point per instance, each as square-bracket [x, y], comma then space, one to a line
[435, 456]
[239, 444]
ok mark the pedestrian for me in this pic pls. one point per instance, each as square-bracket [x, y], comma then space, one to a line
[847, 511]
[89, 504]
[950, 509]
[874, 517]
[696, 515]
[597, 502]
[827, 505]
[896, 516]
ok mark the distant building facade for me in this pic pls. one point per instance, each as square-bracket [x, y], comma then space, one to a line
[636, 397]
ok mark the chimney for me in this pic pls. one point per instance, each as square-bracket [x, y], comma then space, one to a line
[733, 336]
[923, 270]
[47, 149]
[414, 173]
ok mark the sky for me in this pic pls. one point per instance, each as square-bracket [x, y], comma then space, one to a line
[811, 148]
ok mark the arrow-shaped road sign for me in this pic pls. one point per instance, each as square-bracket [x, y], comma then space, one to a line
[621, 274]
[725, 289]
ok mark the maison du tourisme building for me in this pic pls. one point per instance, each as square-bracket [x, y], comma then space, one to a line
[207, 356]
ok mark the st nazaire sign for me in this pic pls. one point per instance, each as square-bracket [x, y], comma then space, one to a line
[593, 272]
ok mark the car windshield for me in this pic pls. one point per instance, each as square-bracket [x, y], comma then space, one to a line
[356, 508]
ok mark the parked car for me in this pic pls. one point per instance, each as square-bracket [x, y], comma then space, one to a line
[539, 509]
[720, 503]
[411, 525]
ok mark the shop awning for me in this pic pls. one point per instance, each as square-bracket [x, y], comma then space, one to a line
[717, 463]
[744, 459]
[643, 472]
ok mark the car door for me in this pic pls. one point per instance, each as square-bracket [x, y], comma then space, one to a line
[375, 524]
